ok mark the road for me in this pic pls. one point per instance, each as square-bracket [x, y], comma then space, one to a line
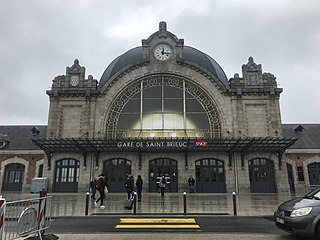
[163, 228]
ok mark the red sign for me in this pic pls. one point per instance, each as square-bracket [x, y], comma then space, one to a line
[201, 143]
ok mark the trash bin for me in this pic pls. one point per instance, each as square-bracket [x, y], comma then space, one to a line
[39, 184]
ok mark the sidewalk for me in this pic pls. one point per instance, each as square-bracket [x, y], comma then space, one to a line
[73, 204]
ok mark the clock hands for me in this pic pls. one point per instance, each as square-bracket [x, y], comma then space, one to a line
[162, 52]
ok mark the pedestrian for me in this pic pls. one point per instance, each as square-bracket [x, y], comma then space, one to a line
[162, 184]
[139, 184]
[93, 188]
[191, 183]
[129, 185]
[100, 186]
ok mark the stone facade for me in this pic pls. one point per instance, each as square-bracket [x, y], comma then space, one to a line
[247, 107]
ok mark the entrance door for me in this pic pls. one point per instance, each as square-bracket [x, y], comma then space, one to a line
[66, 176]
[314, 173]
[115, 171]
[261, 175]
[210, 176]
[163, 167]
[290, 178]
[13, 177]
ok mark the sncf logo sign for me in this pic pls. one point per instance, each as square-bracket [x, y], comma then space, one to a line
[201, 143]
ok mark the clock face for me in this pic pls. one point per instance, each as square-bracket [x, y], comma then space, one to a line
[162, 52]
[74, 80]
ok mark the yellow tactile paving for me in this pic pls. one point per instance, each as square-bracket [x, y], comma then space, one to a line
[156, 223]
[185, 226]
[157, 220]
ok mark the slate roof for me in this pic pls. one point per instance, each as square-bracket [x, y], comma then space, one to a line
[308, 135]
[20, 137]
[190, 54]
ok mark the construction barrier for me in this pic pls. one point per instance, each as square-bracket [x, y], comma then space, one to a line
[25, 217]
[2, 214]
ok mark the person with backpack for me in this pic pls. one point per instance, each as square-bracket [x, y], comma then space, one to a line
[162, 185]
[129, 185]
[100, 186]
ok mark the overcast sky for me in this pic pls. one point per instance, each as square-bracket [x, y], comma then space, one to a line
[39, 39]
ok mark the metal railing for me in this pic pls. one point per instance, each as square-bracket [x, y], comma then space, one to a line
[23, 218]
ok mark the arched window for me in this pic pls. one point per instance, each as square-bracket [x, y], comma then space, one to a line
[13, 177]
[115, 171]
[163, 167]
[314, 173]
[67, 175]
[261, 176]
[163, 106]
[210, 175]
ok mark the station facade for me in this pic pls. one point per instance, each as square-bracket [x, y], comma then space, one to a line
[163, 108]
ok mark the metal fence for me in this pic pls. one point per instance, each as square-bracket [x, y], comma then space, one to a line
[25, 217]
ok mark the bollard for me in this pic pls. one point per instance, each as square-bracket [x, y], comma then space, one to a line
[2, 215]
[185, 203]
[234, 200]
[134, 203]
[87, 204]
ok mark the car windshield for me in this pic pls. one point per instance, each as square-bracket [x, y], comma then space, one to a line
[315, 194]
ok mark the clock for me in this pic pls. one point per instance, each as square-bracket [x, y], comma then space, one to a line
[74, 80]
[162, 52]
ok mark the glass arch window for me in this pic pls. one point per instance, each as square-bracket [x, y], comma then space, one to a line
[164, 107]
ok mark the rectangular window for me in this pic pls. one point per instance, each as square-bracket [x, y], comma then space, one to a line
[300, 174]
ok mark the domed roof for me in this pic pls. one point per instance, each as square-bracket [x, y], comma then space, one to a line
[189, 54]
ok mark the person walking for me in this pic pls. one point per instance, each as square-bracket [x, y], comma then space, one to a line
[100, 186]
[93, 188]
[162, 184]
[129, 185]
[139, 184]
[191, 183]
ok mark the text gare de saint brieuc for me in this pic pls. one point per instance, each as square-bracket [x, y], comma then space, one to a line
[152, 144]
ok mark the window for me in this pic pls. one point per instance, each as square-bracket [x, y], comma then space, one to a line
[300, 174]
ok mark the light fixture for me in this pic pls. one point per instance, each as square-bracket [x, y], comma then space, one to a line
[152, 134]
[174, 134]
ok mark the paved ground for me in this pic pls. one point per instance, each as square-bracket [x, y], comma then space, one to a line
[209, 227]
[212, 212]
[179, 236]
[152, 203]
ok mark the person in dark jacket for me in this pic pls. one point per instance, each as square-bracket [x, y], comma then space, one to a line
[129, 185]
[139, 184]
[100, 185]
[191, 183]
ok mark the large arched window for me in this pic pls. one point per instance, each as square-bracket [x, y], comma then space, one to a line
[163, 106]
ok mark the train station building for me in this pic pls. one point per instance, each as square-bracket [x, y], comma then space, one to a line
[163, 108]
